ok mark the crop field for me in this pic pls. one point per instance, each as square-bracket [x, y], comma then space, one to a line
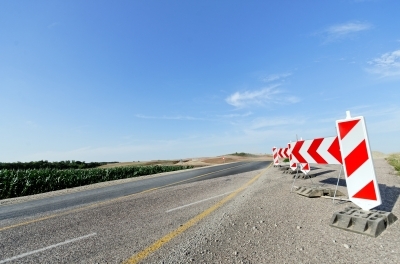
[16, 183]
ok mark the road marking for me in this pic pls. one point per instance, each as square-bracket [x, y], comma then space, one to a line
[165, 239]
[106, 202]
[46, 248]
[186, 205]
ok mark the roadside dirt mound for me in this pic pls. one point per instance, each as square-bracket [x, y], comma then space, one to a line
[378, 155]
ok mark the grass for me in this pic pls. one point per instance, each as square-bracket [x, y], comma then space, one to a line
[243, 154]
[394, 160]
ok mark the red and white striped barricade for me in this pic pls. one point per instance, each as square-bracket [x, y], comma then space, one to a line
[318, 151]
[283, 153]
[297, 158]
[292, 160]
[279, 153]
[361, 182]
[305, 168]
[275, 156]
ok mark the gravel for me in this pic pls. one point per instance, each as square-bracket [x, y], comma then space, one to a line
[268, 224]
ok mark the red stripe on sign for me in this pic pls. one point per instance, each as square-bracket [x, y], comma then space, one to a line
[306, 167]
[273, 149]
[275, 156]
[346, 127]
[334, 150]
[294, 165]
[367, 192]
[313, 151]
[295, 151]
[356, 158]
[286, 152]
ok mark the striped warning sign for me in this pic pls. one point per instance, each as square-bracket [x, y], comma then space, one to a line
[361, 182]
[319, 151]
[283, 153]
[275, 155]
[292, 160]
[305, 168]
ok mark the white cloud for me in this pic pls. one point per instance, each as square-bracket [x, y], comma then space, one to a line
[237, 115]
[276, 121]
[340, 31]
[387, 65]
[276, 77]
[259, 97]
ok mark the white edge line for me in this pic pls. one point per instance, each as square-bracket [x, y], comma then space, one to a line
[180, 207]
[46, 248]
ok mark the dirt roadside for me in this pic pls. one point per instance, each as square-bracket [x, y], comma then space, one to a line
[267, 223]
[197, 162]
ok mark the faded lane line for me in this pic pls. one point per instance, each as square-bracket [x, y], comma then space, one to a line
[165, 239]
[46, 248]
[106, 202]
[186, 205]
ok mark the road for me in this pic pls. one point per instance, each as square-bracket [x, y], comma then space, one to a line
[111, 224]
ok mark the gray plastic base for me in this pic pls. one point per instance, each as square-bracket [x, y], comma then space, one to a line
[313, 192]
[301, 175]
[371, 223]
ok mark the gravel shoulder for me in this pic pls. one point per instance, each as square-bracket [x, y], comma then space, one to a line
[268, 224]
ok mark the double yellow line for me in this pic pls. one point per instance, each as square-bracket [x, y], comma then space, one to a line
[165, 239]
[106, 202]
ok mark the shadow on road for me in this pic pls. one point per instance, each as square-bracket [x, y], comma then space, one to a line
[333, 181]
[322, 173]
[389, 196]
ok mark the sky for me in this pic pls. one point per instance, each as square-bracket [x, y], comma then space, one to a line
[142, 80]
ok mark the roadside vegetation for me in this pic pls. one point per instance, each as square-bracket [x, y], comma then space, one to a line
[21, 182]
[44, 164]
[243, 154]
[394, 160]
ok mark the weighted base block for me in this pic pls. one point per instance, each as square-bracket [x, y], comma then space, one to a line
[371, 223]
[301, 175]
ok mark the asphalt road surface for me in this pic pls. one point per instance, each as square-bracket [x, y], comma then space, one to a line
[111, 224]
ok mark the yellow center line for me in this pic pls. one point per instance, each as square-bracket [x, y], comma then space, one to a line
[105, 202]
[165, 239]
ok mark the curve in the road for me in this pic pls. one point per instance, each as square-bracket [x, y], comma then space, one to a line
[112, 192]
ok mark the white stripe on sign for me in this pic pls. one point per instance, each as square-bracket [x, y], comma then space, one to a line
[352, 139]
[186, 205]
[46, 248]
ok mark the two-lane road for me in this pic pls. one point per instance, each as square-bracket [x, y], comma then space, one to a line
[106, 193]
[110, 224]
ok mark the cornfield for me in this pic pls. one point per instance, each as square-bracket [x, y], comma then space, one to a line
[15, 183]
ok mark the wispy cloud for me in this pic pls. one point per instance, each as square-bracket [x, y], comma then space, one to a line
[387, 65]
[340, 31]
[276, 77]
[236, 115]
[170, 117]
[276, 121]
[260, 97]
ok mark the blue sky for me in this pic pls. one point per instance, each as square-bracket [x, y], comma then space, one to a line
[143, 80]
